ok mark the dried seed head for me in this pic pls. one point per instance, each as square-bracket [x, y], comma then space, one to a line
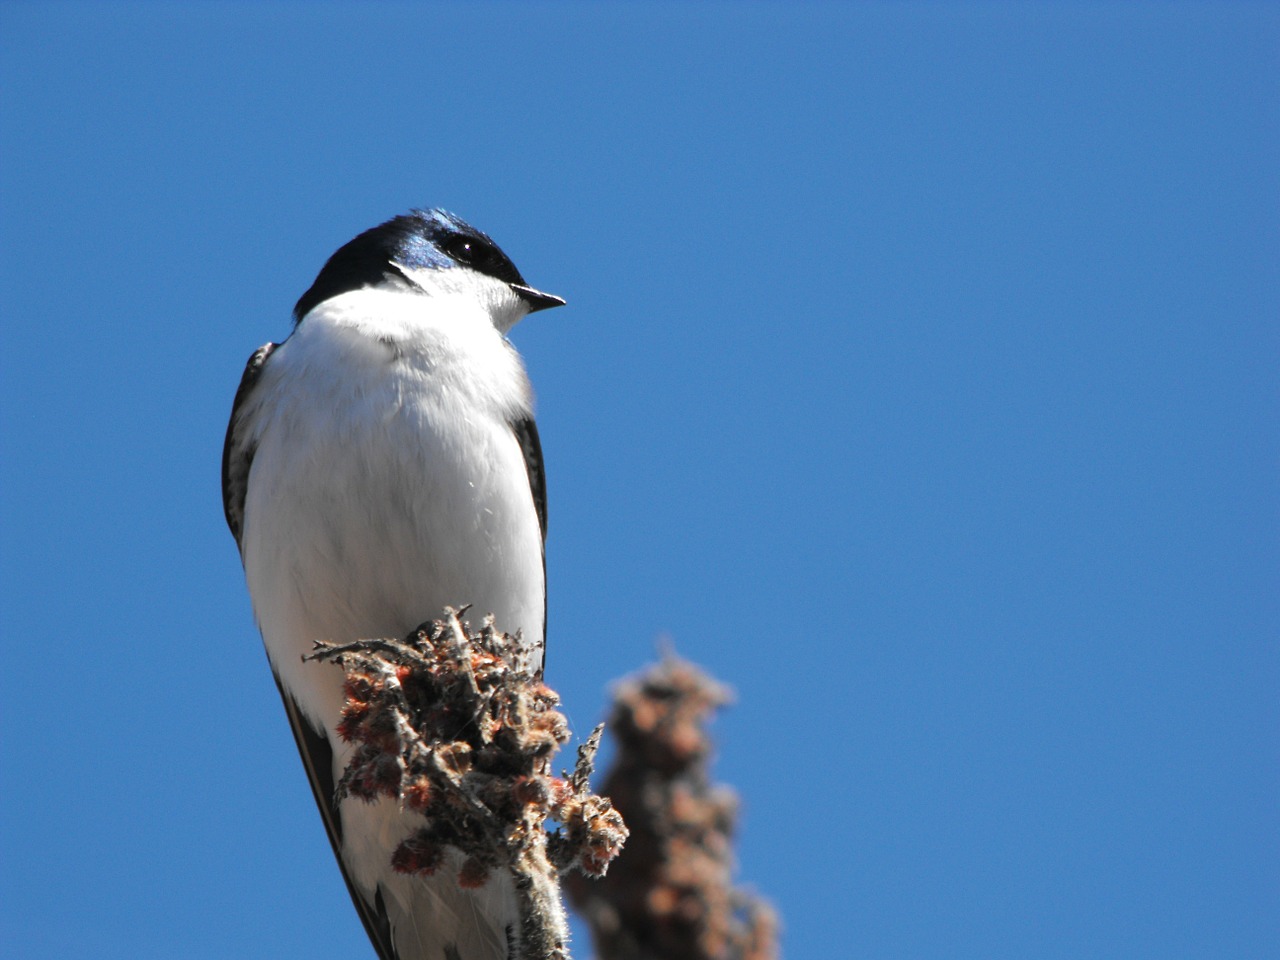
[473, 875]
[417, 793]
[454, 725]
[455, 756]
[420, 854]
[534, 791]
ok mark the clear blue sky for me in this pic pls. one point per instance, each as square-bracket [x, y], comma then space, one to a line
[919, 378]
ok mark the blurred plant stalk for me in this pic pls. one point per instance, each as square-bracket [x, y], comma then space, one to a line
[671, 896]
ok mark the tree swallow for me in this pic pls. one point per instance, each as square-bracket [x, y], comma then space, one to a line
[382, 463]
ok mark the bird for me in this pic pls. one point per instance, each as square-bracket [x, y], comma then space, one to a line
[381, 463]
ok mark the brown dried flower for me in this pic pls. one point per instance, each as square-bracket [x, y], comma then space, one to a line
[448, 721]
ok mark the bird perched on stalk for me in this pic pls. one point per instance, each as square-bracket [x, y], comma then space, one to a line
[382, 463]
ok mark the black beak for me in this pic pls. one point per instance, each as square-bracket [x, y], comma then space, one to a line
[536, 299]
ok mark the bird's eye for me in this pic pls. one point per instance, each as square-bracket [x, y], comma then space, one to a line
[480, 255]
[464, 250]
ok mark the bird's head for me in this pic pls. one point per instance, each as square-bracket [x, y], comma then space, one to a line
[432, 252]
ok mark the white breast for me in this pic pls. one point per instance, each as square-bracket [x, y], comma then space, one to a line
[387, 482]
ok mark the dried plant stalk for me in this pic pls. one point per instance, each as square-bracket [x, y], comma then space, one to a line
[450, 724]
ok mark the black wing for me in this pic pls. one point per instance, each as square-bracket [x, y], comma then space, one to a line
[526, 432]
[317, 759]
[313, 745]
[237, 453]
